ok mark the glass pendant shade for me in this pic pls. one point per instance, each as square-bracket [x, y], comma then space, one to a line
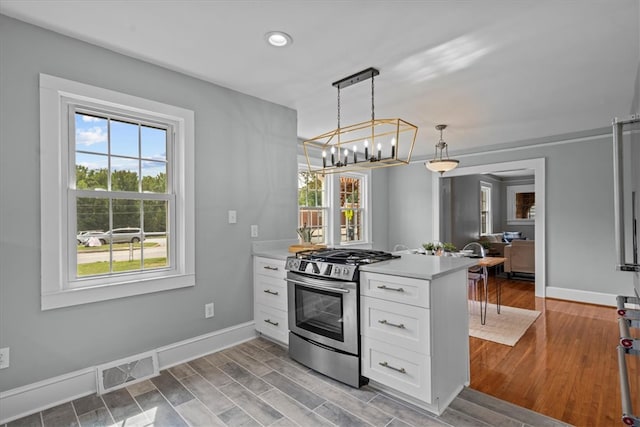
[442, 166]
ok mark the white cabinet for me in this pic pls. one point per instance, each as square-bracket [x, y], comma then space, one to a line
[415, 339]
[270, 298]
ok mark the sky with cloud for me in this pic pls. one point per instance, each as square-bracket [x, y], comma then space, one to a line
[132, 147]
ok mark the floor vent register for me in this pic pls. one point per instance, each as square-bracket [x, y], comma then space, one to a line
[124, 372]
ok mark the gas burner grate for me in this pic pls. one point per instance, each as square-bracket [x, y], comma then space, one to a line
[345, 256]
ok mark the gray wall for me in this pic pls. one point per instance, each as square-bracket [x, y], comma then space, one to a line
[460, 208]
[245, 160]
[380, 208]
[410, 220]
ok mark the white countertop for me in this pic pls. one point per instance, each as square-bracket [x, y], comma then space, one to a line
[418, 266]
[274, 249]
[279, 254]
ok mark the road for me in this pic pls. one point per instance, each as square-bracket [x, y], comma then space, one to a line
[123, 255]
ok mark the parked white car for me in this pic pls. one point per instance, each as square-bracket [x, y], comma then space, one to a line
[83, 236]
[124, 235]
[117, 235]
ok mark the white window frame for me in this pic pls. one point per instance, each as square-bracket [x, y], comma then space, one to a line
[333, 209]
[60, 288]
[512, 190]
[486, 187]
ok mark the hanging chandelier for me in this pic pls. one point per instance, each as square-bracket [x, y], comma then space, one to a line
[372, 144]
[439, 163]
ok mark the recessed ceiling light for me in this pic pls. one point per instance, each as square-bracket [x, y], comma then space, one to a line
[278, 38]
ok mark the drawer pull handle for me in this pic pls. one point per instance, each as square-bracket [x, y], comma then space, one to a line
[268, 267]
[384, 322]
[269, 291]
[390, 289]
[386, 365]
[270, 322]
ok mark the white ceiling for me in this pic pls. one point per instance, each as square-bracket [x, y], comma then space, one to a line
[494, 71]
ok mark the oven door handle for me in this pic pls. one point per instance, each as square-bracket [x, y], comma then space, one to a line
[318, 286]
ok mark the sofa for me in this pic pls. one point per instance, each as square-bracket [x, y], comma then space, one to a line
[496, 242]
[520, 257]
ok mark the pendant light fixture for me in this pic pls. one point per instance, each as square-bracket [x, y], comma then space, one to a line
[368, 145]
[439, 163]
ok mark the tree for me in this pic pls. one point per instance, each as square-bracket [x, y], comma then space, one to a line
[310, 193]
[93, 212]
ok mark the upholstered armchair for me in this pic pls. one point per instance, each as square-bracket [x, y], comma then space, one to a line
[520, 257]
[496, 244]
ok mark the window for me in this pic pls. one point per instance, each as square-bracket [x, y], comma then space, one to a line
[116, 194]
[120, 185]
[485, 209]
[351, 212]
[312, 211]
[334, 207]
[521, 204]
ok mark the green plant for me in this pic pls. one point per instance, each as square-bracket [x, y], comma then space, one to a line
[432, 246]
[305, 233]
[449, 247]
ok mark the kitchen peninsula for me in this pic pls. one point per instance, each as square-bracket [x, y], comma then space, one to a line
[414, 331]
[415, 328]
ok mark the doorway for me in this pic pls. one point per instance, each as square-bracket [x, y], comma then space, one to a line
[538, 167]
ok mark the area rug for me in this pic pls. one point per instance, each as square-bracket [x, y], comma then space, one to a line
[504, 328]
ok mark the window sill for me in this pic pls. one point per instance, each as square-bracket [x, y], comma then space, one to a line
[77, 296]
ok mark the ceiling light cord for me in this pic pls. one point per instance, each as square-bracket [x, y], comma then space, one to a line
[443, 146]
[338, 108]
[373, 115]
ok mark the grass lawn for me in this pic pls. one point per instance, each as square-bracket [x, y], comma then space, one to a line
[116, 247]
[102, 267]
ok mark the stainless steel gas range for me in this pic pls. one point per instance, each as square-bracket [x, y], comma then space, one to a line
[323, 302]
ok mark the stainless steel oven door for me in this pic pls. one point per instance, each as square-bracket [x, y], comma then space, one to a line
[324, 311]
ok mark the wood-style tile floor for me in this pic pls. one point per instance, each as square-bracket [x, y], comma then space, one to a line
[565, 366]
[256, 384]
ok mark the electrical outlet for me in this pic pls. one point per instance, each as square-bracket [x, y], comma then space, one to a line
[4, 357]
[233, 217]
[254, 231]
[208, 310]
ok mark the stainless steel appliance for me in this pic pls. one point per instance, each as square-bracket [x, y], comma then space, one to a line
[324, 324]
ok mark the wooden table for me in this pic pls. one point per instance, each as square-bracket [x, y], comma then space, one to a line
[485, 263]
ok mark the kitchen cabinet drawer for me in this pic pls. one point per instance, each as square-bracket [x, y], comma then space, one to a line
[272, 323]
[269, 267]
[406, 371]
[270, 291]
[394, 288]
[397, 325]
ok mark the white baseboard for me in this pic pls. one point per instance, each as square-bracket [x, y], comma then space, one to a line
[26, 400]
[581, 296]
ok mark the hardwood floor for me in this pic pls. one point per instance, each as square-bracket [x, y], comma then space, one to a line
[565, 366]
